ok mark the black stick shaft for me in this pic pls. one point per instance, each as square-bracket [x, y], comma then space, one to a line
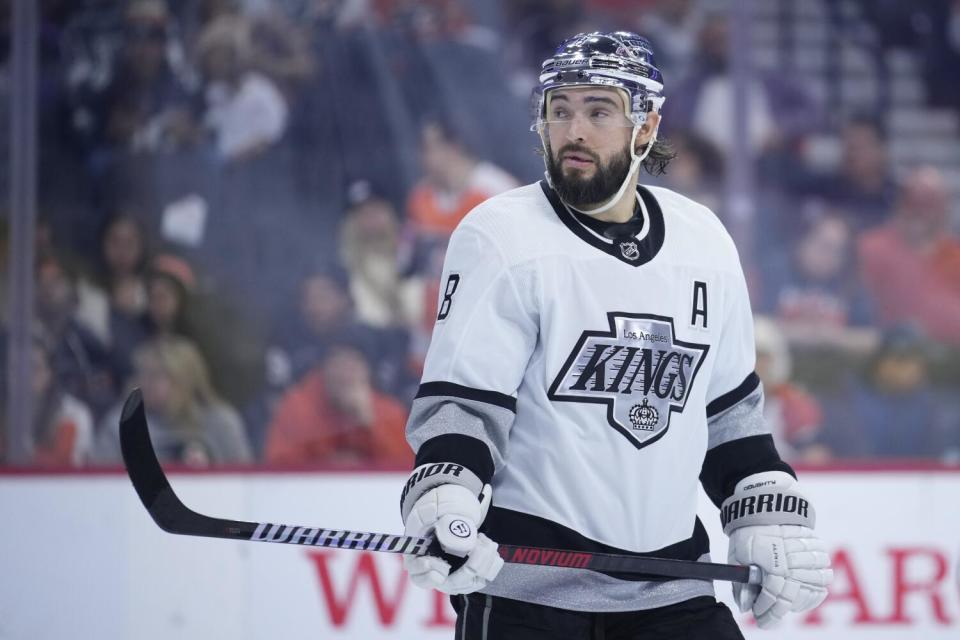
[171, 515]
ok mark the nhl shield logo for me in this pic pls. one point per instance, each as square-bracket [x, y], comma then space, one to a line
[638, 369]
[630, 250]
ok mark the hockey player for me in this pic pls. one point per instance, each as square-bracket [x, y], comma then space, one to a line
[592, 358]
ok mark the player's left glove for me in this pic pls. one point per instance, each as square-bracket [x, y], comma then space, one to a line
[449, 502]
[771, 525]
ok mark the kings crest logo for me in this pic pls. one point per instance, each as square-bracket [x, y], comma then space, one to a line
[637, 368]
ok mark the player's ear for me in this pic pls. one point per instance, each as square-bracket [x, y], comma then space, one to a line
[646, 131]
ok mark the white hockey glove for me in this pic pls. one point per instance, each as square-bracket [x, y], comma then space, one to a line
[771, 525]
[452, 513]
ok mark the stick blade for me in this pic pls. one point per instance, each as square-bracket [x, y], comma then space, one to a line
[153, 488]
[142, 465]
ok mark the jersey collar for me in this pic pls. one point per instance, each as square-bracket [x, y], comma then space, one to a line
[635, 250]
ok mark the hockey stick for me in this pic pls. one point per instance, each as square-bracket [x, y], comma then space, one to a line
[173, 516]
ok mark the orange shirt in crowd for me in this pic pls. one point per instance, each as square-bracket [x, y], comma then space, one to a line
[58, 451]
[433, 212]
[306, 429]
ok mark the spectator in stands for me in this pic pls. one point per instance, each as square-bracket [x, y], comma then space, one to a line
[911, 264]
[894, 410]
[335, 415]
[279, 44]
[862, 185]
[124, 255]
[369, 249]
[170, 285]
[281, 51]
[780, 111]
[62, 433]
[189, 423]
[326, 317]
[80, 361]
[116, 291]
[246, 112]
[427, 46]
[454, 181]
[147, 103]
[794, 416]
[176, 306]
[813, 291]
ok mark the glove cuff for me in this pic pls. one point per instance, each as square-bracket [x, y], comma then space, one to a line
[766, 499]
[431, 475]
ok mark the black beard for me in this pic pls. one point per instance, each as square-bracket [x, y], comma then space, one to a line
[579, 192]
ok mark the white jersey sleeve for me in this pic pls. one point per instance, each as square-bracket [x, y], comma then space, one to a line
[483, 338]
[739, 440]
[736, 352]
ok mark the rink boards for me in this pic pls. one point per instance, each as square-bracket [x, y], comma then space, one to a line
[80, 558]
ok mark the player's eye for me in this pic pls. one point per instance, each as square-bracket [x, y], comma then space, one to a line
[560, 114]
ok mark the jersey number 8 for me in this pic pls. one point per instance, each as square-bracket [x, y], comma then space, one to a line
[453, 281]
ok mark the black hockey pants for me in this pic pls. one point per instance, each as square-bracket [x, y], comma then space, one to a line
[483, 617]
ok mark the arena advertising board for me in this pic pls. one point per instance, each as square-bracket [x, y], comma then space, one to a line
[81, 558]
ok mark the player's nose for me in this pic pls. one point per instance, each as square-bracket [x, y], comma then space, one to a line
[577, 129]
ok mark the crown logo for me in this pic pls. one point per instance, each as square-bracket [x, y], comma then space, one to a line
[643, 417]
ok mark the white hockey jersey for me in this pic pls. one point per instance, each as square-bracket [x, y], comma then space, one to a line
[587, 377]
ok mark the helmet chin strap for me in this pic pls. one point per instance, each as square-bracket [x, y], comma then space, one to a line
[635, 162]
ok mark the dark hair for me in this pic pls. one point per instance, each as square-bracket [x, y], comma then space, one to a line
[445, 125]
[456, 131]
[331, 271]
[899, 340]
[659, 157]
[124, 214]
[865, 120]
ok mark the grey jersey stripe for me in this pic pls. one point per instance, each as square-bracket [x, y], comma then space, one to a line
[433, 416]
[582, 590]
[742, 420]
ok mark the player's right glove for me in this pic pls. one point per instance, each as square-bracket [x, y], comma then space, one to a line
[771, 525]
[452, 513]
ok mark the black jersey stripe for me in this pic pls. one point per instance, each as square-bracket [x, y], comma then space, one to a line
[506, 526]
[727, 464]
[730, 398]
[646, 249]
[471, 452]
[433, 389]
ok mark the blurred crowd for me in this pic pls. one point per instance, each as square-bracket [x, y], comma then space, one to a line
[244, 207]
